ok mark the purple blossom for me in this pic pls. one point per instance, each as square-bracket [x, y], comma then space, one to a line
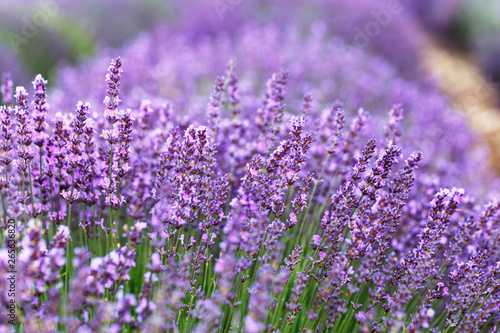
[272, 209]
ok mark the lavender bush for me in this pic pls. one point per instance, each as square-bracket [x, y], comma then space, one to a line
[172, 69]
[289, 218]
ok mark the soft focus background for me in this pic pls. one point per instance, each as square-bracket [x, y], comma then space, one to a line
[36, 35]
[454, 42]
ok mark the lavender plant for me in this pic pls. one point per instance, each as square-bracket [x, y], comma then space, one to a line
[290, 218]
[172, 69]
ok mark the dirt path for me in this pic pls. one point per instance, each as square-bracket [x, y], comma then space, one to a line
[461, 79]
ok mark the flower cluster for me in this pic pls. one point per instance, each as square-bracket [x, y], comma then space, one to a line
[169, 82]
[275, 211]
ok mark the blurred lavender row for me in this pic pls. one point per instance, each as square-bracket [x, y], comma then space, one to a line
[176, 70]
[45, 31]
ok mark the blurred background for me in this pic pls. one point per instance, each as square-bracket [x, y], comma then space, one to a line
[37, 35]
[455, 42]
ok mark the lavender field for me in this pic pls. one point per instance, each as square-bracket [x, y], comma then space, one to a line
[231, 166]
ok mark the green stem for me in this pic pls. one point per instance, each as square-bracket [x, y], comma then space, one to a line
[68, 246]
[487, 323]
[66, 287]
[484, 301]
[31, 191]
[189, 313]
[309, 204]
[94, 234]
[112, 234]
[44, 225]
[278, 307]
[5, 215]
[7, 181]
[351, 308]
[455, 328]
